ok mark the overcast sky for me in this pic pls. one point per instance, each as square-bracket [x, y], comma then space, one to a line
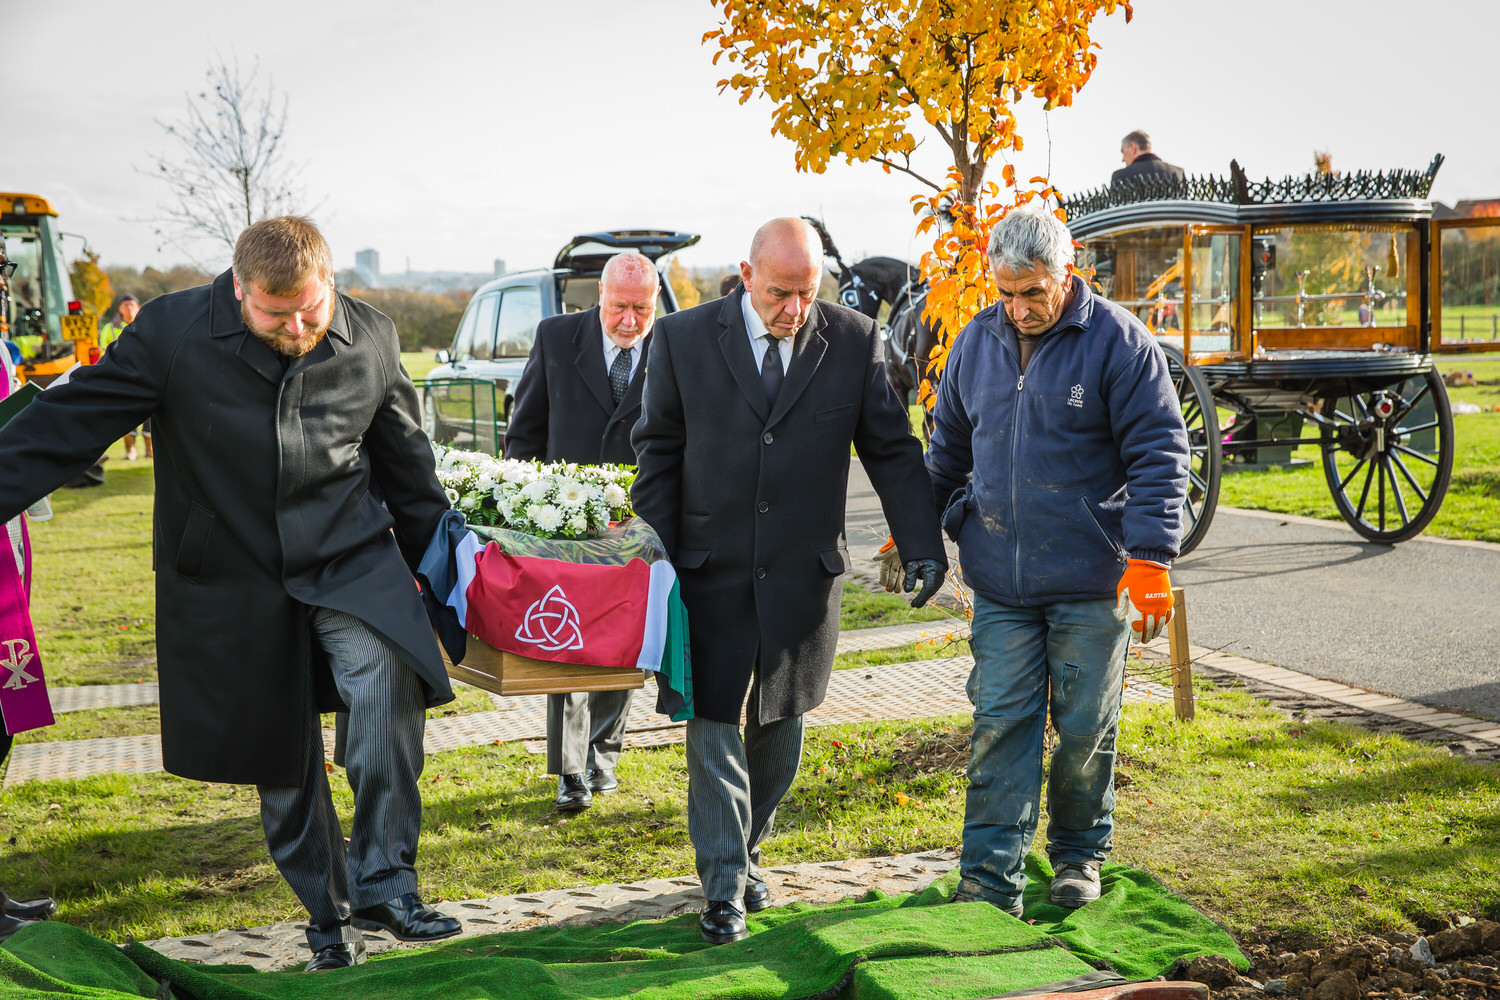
[452, 133]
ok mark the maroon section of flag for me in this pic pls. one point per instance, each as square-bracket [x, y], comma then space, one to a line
[559, 611]
[23, 690]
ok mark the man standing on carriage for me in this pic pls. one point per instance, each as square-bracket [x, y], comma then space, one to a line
[1060, 461]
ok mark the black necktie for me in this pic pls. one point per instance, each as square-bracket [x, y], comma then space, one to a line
[619, 374]
[771, 372]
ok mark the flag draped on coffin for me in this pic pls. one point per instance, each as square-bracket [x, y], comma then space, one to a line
[611, 601]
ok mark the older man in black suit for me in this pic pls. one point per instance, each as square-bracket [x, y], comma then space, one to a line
[752, 403]
[576, 401]
[1135, 150]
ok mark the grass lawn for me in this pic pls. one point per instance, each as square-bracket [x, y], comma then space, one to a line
[1264, 822]
[1471, 508]
[418, 364]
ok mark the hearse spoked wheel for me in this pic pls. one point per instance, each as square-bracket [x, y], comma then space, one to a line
[1388, 455]
[1205, 463]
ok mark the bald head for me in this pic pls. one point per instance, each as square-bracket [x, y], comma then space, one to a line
[789, 237]
[783, 274]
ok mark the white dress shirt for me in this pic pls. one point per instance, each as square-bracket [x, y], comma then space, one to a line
[758, 332]
[611, 349]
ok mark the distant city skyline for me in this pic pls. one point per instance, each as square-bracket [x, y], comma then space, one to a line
[453, 133]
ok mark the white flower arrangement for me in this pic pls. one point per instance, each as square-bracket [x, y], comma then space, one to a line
[561, 500]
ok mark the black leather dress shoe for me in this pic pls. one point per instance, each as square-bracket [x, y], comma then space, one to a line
[31, 909]
[9, 925]
[336, 956]
[406, 918]
[573, 793]
[722, 922]
[757, 896]
[601, 780]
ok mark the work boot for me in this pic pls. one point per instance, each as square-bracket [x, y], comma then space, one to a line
[1075, 883]
[1015, 907]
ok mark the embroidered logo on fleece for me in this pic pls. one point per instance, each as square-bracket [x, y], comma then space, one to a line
[1075, 398]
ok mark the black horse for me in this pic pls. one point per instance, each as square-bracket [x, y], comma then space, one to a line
[864, 285]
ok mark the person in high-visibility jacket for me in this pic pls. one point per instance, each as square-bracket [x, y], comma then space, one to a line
[125, 312]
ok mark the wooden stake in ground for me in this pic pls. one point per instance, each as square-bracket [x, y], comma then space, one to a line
[1182, 663]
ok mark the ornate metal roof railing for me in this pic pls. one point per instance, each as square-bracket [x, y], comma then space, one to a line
[1238, 189]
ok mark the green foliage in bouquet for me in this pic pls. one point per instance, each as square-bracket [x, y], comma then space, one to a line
[560, 500]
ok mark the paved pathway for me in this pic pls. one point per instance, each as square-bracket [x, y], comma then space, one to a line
[1416, 621]
[282, 946]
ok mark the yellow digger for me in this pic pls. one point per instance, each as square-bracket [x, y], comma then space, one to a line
[38, 312]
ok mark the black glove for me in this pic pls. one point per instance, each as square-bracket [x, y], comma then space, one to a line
[931, 571]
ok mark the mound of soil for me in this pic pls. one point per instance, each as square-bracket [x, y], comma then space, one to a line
[1461, 960]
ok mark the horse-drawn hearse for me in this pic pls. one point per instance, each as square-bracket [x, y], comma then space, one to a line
[1300, 312]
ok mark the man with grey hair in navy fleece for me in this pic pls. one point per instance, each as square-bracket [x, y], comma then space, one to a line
[1060, 463]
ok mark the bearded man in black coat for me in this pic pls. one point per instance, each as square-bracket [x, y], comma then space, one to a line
[284, 585]
[576, 401]
[751, 404]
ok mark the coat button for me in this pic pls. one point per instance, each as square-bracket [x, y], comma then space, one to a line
[760, 573]
[768, 437]
[762, 506]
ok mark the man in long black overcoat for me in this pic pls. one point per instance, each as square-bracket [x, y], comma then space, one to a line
[280, 413]
[751, 404]
[576, 401]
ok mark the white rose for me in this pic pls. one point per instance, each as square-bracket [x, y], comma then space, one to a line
[516, 474]
[579, 525]
[467, 503]
[484, 484]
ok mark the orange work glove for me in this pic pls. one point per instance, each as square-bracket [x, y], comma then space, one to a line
[1144, 596]
[888, 562]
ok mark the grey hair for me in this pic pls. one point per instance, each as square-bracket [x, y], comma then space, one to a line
[1029, 236]
[629, 263]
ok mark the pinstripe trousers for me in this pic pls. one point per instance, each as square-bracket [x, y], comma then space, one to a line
[383, 760]
[586, 729]
[734, 787]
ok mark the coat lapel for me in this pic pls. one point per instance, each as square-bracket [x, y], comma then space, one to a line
[807, 353]
[734, 341]
[589, 361]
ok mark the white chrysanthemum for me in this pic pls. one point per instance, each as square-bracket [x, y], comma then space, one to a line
[452, 496]
[615, 495]
[571, 493]
[537, 490]
[579, 524]
[546, 517]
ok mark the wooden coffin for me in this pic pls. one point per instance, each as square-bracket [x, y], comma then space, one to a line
[504, 673]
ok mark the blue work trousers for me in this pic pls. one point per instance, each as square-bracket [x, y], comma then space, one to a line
[1072, 654]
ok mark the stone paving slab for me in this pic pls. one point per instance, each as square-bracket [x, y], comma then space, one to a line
[283, 945]
[77, 699]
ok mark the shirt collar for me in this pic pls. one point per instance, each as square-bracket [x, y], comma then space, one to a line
[752, 318]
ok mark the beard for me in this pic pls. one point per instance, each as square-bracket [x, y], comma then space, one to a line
[280, 342]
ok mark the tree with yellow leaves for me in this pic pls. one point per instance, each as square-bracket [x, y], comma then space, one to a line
[91, 286]
[683, 290]
[857, 79]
